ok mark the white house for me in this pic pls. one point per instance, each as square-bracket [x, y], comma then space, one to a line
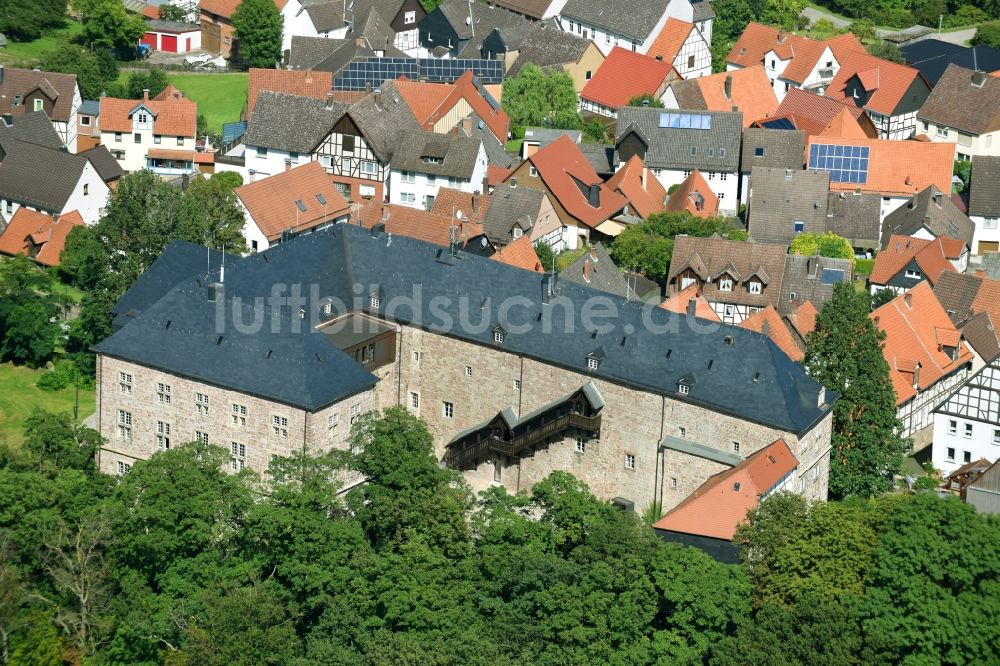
[424, 161]
[630, 25]
[984, 203]
[967, 423]
[963, 109]
[684, 46]
[157, 134]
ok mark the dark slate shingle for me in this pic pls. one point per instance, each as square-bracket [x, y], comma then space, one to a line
[621, 17]
[984, 186]
[670, 148]
[457, 154]
[783, 149]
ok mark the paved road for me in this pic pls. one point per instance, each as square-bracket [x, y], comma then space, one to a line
[957, 37]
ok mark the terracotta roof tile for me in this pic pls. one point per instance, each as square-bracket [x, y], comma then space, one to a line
[520, 253]
[225, 8]
[758, 40]
[841, 45]
[720, 504]
[803, 319]
[930, 256]
[432, 101]
[301, 83]
[273, 201]
[415, 223]
[914, 323]
[681, 301]
[670, 40]
[752, 94]
[695, 196]
[644, 192]
[815, 114]
[173, 117]
[898, 168]
[564, 170]
[888, 81]
[770, 323]
[496, 175]
[422, 97]
[624, 75]
[450, 201]
[48, 235]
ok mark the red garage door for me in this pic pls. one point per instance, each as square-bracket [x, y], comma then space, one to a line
[168, 43]
[149, 39]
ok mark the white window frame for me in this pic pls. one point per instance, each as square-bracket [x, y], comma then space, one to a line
[409, 17]
[415, 400]
[201, 403]
[726, 284]
[630, 461]
[581, 445]
[448, 409]
[238, 414]
[162, 435]
[755, 287]
[279, 426]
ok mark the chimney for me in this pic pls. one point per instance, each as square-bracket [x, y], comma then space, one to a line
[145, 94]
[643, 176]
[368, 87]
[727, 87]
[467, 126]
[288, 165]
[692, 306]
[586, 270]
[978, 78]
[593, 254]
[253, 175]
[594, 195]
[782, 36]
[329, 101]
[385, 212]
[916, 375]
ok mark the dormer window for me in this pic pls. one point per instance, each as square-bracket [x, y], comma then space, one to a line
[375, 301]
[592, 363]
[498, 334]
[683, 389]
[725, 283]
[755, 287]
[432, 160]
[39, 105]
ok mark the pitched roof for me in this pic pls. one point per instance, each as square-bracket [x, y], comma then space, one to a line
[964, 296]
[595, 269]
[473, 207]
[898, 168]
[270, 126]
[17, 83]
[695, 196]
[720, 504]
[814, 113]
[520, 253]
[382, 117]
[780, 198]
[682, 300]
[427, 226]
[472, 28]
[811, 279]
[933, 56]
[930, 209]
[981, 334]
[292, 82]
[643, 190]
[171, 117]
[916, 328]
[782, 149]
[887, 81]
[33, 232]
[575, 184]
[169, 92]
[803, 53]
[547, 46]
[803, 319]
[448, 155]
[34, 127]
[327, 16]
[342, 256]
[104, 163]
[856, 217]
[770, 323]
[984, 186]
[717, 149]
[670, 40]
[740, 259]
[307, 52]
[39, 176]
[901, 250]
[293, 200]
[496, 152]
[623, 17]
[624, 75]
[432, 101]
[533, 8]
[224, 8]
[510, 206]
[751, 93]
[964, 100]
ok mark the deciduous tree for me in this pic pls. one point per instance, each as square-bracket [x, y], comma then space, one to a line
[258, 27]
[536, 98]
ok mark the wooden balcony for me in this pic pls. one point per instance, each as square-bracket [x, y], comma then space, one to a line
[473, 454]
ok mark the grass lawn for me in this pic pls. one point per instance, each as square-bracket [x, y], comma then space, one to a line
[33, 50]
[19, 397]
[514, 146]
[220, 97]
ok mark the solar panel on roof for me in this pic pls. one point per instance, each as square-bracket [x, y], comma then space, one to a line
[372, 71]
[832, 275]
[845, 164]
[779, 123]
[685, 120]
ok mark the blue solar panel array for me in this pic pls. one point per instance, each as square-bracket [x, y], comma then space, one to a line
[832, 276]
[846, 164]
[686, 121]
[360, 74]
[233, 131]
[779, 123]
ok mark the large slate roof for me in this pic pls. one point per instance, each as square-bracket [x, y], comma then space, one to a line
[749, 377]
[596, 269]
[784, 149]
[781, 197]
[308, 52]
[291, 122]
[670, 147]
[547, 46]
[964, 100]
[457, 154]
[509, 205]
[984, 186]
[931, 208]
[496, 153]
[34, 127]
[622, 17]
[104, 163]
[382, 117]
[856, 217]
[39, 176]
[932, 57]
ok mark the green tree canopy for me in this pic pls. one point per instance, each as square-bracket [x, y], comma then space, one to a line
[844, 353]
[154, 80]
[827, 244]
[646, 99]
[258, 27]
[106, 25]
[536, 98]
[24, 21]
[988, 34]
[27, 313]
[96, 72]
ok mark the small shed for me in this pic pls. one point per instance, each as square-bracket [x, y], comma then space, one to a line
[172, 36]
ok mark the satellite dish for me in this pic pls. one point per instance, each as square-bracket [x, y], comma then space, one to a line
[483, 242]
[458, 214]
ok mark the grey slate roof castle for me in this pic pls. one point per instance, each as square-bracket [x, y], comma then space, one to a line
[726, 369]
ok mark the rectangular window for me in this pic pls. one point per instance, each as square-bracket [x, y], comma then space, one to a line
[673, 482]
[409, 17]
[85, 121]
[279, 426]
[137, 137]
[968, 431]
[913, 275]
[416, 357]
[725, 284]
[347, 143]
[996, 436]
[293, 157]
[736, 447]
[201, 403]
[414, 400]
[118, 137]
[124, 468]
[239, 415]
[238, 454]
[952, 427]
[407, 177]
[180, 141]
[967, 456]
[799, 226]
[629, 461]
[950, 455]
[124, 424]
[755, 287]
[449, 410]
[758, 151]
[124, 383]
[517, 386]
[581, 446]
[369, 168]
[990, 223]
[592, 363]
[201, 437]
[157, 138]
[332, 422]
[407, 197]
[261, 151]
[497, 336]
[468, 371]
[684, 389]
[162, 435]
[533, 172]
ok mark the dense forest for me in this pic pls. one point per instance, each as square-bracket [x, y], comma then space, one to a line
[181, 563]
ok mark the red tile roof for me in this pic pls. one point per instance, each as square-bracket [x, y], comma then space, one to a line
[564, 169]
[916, 327]
[814, 114]
[302, 83]
[769, 322]
[450, 201]
[432, 101]
[686, 197]
[758, 40]
[721, 503]
[930, 256]
[681, 301]
[751, 93]
[225, 8]
[422, 97]
[670, 40]
[173, 116]
[520, 253]
[496, 175]
[273, 201]
[170, 92]
[888, 81]
[898, 168]
[624, 75]
[151, 12]
[644, 192]
[841, 45]
[413, 223]
[31, 231]
[803, 319]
